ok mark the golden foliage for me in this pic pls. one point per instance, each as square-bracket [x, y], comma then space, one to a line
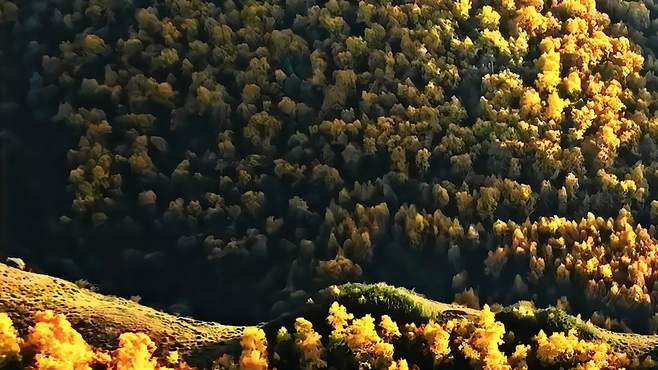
[9, 341]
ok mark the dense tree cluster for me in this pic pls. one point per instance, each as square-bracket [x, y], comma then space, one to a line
[352, 342]
[52, 343]
[285, 146]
